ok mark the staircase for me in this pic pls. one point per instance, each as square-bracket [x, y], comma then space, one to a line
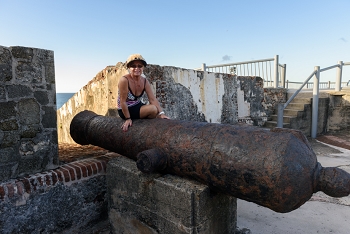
[298, 114]
[293, 111]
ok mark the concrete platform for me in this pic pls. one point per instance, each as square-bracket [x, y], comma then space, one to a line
[321, 214]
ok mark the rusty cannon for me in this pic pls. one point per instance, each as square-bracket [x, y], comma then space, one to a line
[276, 169]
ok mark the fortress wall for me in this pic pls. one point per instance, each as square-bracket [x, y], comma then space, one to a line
[184, 94]
[28, 136]
[69, 199]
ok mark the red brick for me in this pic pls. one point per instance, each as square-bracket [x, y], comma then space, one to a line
[99, 166]
[2, 192]
[10, 190]
[77, 170]
[104, 165]
[54, 178]
[32, 182]
[48, 180]
[83, 169]
[40, 180]
[94, 168]
[59, 175]
[70, 170]
[20, 188]
[27, 186]
[65, 174]
[88, 167]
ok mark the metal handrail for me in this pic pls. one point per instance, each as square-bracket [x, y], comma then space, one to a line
[309, 85]
[316, 75]
[259, 68]
[328, 68]
[298, 91]
[239, 63]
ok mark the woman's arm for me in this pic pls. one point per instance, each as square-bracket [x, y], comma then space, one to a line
[123, 87]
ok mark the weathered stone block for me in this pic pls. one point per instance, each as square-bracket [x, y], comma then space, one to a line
[5, 65]
[8, 155]
[2, 92]
[155, 203]
[17, 91]
[41, 97]
[9, 139]
[22, 52]
[29, 164]
[49, 117]
[30, 131]
[29, 72]
[6, 170]
[50, 72]
[9, 125]
[7, 110]
[29, 111]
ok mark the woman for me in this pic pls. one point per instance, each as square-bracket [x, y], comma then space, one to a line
[131, 88]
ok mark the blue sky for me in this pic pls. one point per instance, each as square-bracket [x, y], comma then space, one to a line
[86, 36]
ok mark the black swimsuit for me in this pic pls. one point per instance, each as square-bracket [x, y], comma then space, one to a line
[133, 102]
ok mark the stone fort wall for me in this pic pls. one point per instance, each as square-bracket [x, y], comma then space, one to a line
[28, 135]
[39, 195]
[183, 94]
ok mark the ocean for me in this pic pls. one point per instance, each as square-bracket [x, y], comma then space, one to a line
[62, 98]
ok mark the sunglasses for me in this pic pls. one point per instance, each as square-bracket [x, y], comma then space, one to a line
[136, 66]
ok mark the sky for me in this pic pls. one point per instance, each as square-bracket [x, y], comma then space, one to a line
[86, 36]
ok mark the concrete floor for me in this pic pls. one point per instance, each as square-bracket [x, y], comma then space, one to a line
[321, 214]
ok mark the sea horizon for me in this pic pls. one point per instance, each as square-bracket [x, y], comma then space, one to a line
[62, 98]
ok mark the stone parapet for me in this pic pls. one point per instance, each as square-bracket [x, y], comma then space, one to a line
[156, 203]
[69, 199]
[28, 136]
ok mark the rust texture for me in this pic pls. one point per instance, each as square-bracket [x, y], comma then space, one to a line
[276, 169]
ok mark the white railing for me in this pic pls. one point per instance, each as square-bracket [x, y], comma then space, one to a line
[315, 90]
[269, 69]
[310, 85]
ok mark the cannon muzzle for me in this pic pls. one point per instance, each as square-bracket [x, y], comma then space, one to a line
[276, 169]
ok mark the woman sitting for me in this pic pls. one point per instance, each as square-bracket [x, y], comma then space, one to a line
[131, 87]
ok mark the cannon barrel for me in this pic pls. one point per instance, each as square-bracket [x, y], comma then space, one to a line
[276, 169]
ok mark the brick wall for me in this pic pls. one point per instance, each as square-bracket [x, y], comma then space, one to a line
[28, 136]
[71, 198]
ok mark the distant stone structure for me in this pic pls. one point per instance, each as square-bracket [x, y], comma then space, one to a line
[184, 94]
[28, 135]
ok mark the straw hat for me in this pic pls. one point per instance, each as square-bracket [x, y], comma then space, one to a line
[135, 57]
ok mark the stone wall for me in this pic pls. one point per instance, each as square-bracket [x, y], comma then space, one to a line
[69, 199]
[256, 103]
[183, 94]
[339, 111]
[156, 203]
[28, 136]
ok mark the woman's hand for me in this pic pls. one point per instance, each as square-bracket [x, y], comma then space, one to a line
[163, 116]
[126, 125]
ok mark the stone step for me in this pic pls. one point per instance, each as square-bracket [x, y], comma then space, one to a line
[273, 124]
[286, 119]
[307, 94]
[290, 112]
[301, 100]
[296, 106]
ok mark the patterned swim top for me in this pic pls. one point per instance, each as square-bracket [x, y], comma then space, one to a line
[132, 99]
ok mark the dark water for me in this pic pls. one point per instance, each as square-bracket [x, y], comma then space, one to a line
[62, 98]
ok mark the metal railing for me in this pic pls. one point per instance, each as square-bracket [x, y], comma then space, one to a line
[273, 73]
[310, 85]
[316, 87]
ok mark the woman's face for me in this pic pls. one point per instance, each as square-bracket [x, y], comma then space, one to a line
[136, 68]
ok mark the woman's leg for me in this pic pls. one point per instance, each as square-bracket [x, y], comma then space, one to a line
[148, 111]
